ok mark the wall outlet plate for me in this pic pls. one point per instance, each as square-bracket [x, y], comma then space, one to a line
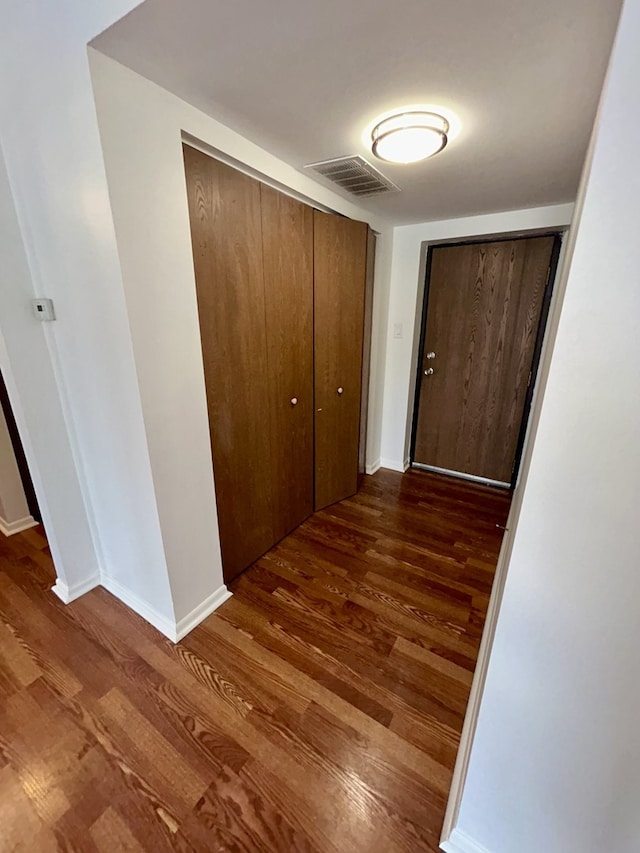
[43, 309]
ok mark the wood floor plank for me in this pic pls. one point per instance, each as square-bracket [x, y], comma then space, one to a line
[238, 817]
[16, 665]
[110, 832]
[318, 710]
[325, 669]
[323, 835]
[397, 794]
[160, 760]
[22, 830]
[256, 740]
[422, 763]
[432, 659]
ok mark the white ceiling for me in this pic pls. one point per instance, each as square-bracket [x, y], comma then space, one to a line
[303, 79]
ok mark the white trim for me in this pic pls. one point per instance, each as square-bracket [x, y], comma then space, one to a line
[148, 613]
[175, 631]
[473, 707]
[8, 528]
[462, 475]
[67, 594]
[371, 469]
[394, 465]
[460, 842]
[200, 613]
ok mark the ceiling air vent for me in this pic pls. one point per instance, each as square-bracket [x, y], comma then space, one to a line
[354, 175]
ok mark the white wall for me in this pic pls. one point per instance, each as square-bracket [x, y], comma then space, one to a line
[405, 307]
[555, 763]
[379, 348]
[140, 126]
[51, 146]
[14, 510]
[35, 401]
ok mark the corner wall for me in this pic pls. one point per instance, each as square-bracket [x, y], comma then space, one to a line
[35, 401]
[555, 760]
[405, 307]
[82, 427]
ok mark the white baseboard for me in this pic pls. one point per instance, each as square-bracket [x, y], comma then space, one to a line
[199, 613]
[460, 842]
[67, 594]
[371, 469]
[11, 527]
[175, 631]
[150, 614]
[394, 465]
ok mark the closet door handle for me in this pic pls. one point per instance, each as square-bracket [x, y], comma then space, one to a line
[294, 401]
[340, 390]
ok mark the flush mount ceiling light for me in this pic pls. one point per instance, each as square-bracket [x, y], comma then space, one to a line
[407, 137]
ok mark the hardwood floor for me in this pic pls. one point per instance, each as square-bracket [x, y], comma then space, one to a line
[319, 709]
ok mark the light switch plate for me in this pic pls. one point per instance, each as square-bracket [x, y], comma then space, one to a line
[43, 309]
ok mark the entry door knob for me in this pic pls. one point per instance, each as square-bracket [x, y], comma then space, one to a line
[340, 390]
[294, 401]
[428, 371]
[431, 355]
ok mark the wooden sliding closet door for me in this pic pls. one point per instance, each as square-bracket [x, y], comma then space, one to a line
[226, 233]
[340, 258]
[287, 242]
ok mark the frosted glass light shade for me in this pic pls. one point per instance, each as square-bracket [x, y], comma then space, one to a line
[409, 137]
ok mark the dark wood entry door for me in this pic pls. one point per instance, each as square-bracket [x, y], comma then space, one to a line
[340, 260]
[483, 310]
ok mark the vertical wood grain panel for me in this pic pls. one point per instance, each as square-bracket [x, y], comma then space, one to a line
[287, 240]
[226, 233]
[484, 304]
[340, 254]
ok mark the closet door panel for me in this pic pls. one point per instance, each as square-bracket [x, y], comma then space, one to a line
[287, 241]
[224, 209]
[340, 252]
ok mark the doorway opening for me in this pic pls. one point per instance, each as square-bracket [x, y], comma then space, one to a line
[485, 308]
[19, 508]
